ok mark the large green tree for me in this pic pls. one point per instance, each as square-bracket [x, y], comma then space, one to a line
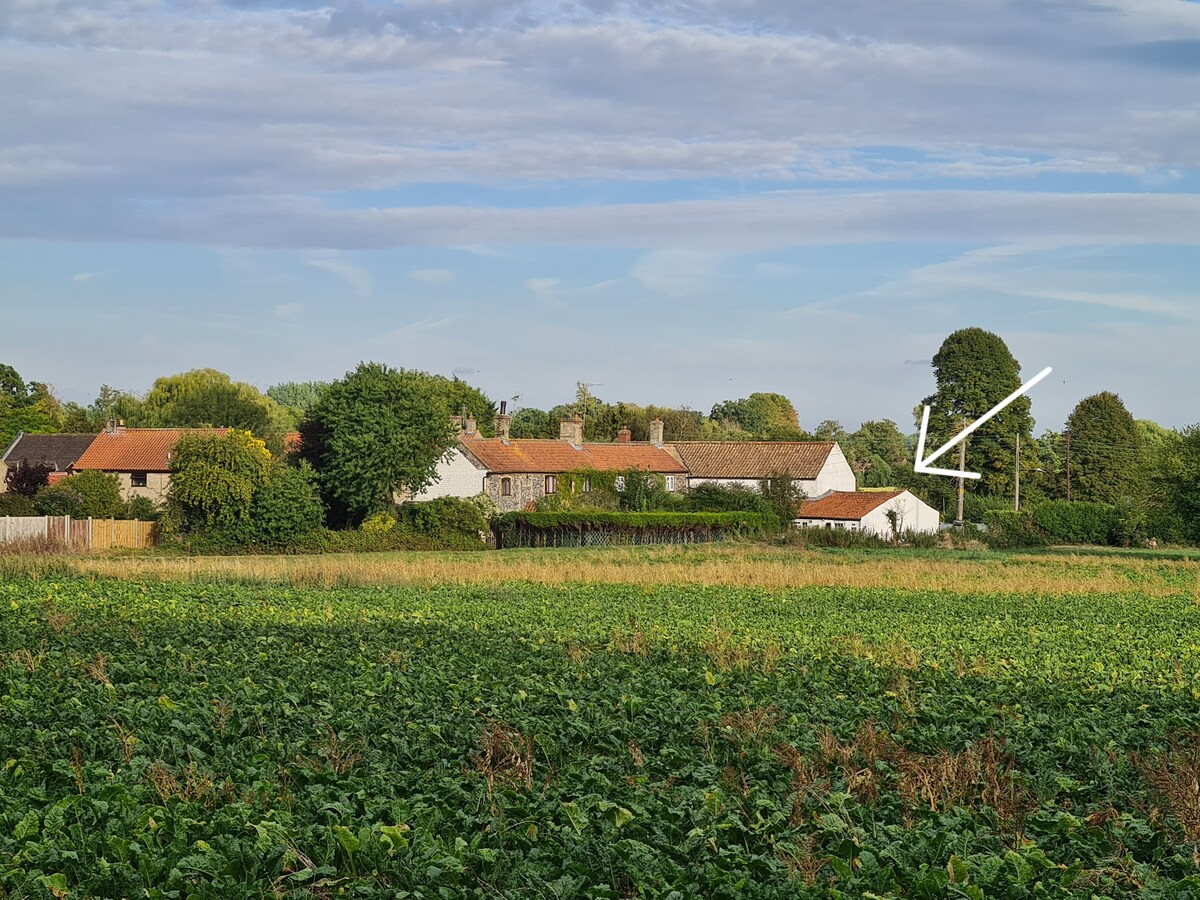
[761, 416]
[214, 478]
[298, 395]
[975, 370]
[373, 433]
[1106, 450]
[208, 397]
[26, 407]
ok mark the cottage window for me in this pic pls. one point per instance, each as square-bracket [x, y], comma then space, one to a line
[551, 484]
[587, 484]
[620, 483]
[137, 479]
[505, 487]
[670, 482]
[829, 525]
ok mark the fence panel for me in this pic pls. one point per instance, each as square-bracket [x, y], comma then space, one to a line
[79, 534]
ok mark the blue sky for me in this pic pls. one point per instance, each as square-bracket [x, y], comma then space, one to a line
[681, 202]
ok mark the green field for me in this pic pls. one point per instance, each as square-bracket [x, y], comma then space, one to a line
[180, 739]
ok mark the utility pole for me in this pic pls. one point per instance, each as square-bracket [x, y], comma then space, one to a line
[962, 483]
[1017, 505]
[1067, 433]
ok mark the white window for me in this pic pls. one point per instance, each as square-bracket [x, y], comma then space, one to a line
[587, 484]
[670, 482]
[620, 483]
[551, 484]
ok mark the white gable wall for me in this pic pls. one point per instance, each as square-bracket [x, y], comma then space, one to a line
[915, 515]
[835, 475]
[456, 476]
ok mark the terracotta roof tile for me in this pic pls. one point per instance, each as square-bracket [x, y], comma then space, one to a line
[550, 457]
[754, 459]
[136, 449]
[852, 505]
[56, 450]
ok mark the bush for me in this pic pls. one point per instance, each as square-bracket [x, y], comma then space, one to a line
[16, 505]
[59, 500]
[976, 508]
[1079, 523]
[449, 519]
[285, 509]
[1008, 528]
[380, 523]
[25, 479]
[101, 493]
[143, 508]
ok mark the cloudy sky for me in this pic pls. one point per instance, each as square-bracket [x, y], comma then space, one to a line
[681, 202]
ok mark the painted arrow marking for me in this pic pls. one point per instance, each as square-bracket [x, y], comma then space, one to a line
[921, 465]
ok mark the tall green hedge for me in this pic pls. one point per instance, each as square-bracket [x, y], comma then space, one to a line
[1076, 522]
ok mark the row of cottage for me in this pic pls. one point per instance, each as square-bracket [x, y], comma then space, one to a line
[516, 473]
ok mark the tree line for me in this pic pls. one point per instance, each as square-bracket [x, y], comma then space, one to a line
[380, 430]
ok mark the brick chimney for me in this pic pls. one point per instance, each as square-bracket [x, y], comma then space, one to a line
[624, 436]
[656, 432]
[469, 427]
[503, 421]
[571, 430]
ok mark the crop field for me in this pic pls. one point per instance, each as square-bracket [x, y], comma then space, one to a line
[1004, 731]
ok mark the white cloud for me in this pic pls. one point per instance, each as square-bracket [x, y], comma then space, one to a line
[287, 310]
[675, 273]
[357, 277]
[542, 287]
[84, 276]
[432, 276]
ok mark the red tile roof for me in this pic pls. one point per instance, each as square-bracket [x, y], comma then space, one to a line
[550, 457]
[136, 449]
[853, 505]
[754, 459]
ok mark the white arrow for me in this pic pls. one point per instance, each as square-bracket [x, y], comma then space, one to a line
[921, 464]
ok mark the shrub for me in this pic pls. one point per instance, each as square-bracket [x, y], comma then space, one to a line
[100, 491]
[16, 505]
[713, 497]
[60, 500]
[285, 509]
[214, 478]
[1079, 523]
[1008, 528]
[643, 492]
[782, 496]
[26, 480]
[450, 519]
[380, 523]
[143, 508]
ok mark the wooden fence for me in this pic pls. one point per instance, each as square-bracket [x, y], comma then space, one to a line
[78, 534]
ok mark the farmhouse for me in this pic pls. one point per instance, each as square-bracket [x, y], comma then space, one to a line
[58, 451]
[516, 473]
[870, 511]
[817, 467]
[141, 457]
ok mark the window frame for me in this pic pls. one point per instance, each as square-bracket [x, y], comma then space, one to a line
[550, 485]
[619, 483]
[506, 486]
[139, 479]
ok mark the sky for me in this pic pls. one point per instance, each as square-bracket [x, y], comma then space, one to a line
[675, 202]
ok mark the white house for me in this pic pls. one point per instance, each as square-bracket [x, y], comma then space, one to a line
[818, 467]
[869, 511]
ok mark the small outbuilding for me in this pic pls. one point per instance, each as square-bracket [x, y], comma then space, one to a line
[883, 513]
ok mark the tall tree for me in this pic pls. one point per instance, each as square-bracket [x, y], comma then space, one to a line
[975, 370]
[762, 416]
[26, 407]
[298, 395]
[209, 397]
[376, 432]
[1106, 450]
[214, 478]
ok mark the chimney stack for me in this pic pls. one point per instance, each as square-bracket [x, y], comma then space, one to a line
[503, 420]
[656, 432]
[571, 430]
[469, 426]
[624, 436]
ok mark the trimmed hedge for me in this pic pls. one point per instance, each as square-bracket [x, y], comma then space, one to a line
[599, 527]
[1078, 522]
